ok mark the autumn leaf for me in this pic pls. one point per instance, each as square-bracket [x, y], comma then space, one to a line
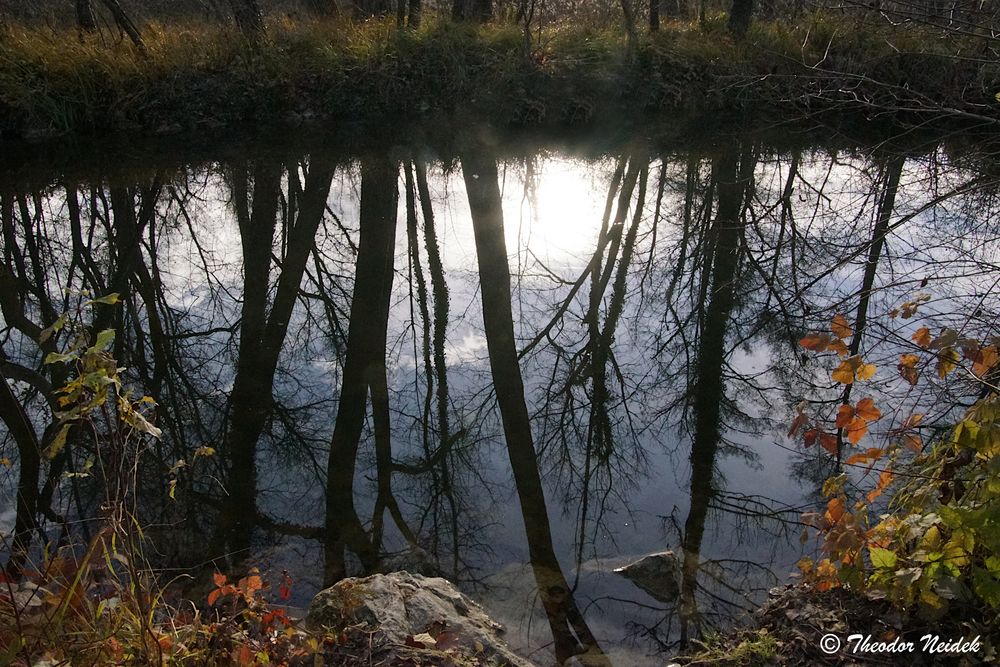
[884, 480]
[815, 342]
[840, 326]
[866, 410]
[865, 372]
[947, 361]
[912, 421]
[838, 346]
[913, 442]
[845, 413]
[828, 441]
[834, 509]
[984, 360]
[907, 368]
[869, 456]
[922, 337]
[851, 369]
[219, 579]
[844, 373]
[810, 437]
[946, 338]
[856, 430]
[285, 588]
[250, 585]
[800, 420]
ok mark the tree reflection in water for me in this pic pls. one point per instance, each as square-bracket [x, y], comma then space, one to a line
[367, 386]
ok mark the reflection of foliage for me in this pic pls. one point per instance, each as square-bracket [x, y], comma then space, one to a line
[938, 547]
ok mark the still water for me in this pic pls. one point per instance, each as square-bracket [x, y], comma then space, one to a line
[517, 365]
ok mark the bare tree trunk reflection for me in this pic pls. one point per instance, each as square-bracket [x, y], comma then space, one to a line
[730, 179]
[364, 366]
[569, 630]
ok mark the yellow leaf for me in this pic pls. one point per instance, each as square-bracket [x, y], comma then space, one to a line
[5, 462]
[58, 442]
[844, 373]
[947, 360]
[865, 372]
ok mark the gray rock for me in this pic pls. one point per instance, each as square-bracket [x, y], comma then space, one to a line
[658, 574]
[402, 607]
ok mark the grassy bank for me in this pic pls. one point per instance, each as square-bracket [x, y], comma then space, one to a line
[206, 77]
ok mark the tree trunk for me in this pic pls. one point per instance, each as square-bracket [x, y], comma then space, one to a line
[739, 18]
[479, 11]
[125, 23]
[29, 464]
[569, 630]
[249, 18]
[710, 387]
[85, 19]
[415, 11]
[364, 364]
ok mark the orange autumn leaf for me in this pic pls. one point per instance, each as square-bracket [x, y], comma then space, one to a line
[810, 437]
[856, 430]
[884, 480]
[800, 420]
[866, 410]
[838, 346]
[844, 373]
[815, 342]
[913, 420]
[922, 337]
[219, 579]
[869, 456]
[250, 585]
[834, 509]
[840, 326]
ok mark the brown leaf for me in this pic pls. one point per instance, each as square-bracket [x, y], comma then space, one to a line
[985, 359]
[922, 337]
[845, 413]
[828, 441]
[810, 437]
[800, 420]
[913, 442]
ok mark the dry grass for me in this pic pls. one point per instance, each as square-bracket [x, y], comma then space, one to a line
[197, 75]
